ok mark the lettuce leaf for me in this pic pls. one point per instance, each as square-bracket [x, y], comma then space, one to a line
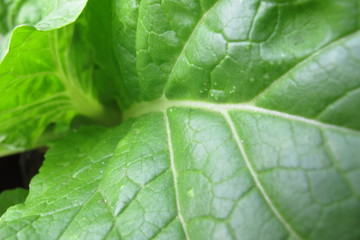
[48, 76]
[240, 122]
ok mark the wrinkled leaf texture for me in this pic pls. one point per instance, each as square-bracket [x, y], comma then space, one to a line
[242, 122]
[50, 72]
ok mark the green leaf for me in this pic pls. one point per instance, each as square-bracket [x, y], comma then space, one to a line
[12, 197]
[213, 51]
[47, 77]
[197, 172]
[242, 123]
[13, 13]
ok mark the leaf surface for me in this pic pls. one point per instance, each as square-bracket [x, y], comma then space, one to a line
[242, 123]
[197, 173]
[48, 76]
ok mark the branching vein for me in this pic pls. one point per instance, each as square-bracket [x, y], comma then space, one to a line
[172, 162]
[256, 179]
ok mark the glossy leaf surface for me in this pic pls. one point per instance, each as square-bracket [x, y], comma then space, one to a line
[241, 122]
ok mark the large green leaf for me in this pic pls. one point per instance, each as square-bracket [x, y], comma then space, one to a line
[226, 51]
[49, 75]
[197, 172]
[242, 124]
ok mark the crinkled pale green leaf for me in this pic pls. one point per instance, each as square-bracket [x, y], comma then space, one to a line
[16, 12]
[41, 14]
[48, 76]
[22, 12]
[13, 13]
[244, 126]
[9, 198]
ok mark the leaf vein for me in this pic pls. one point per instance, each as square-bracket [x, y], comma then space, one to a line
[303, 62]
[172, 166]
[191, 36]
[257, 181]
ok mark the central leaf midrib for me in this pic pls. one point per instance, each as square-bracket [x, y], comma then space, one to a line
[81, 100]
[162, 104]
